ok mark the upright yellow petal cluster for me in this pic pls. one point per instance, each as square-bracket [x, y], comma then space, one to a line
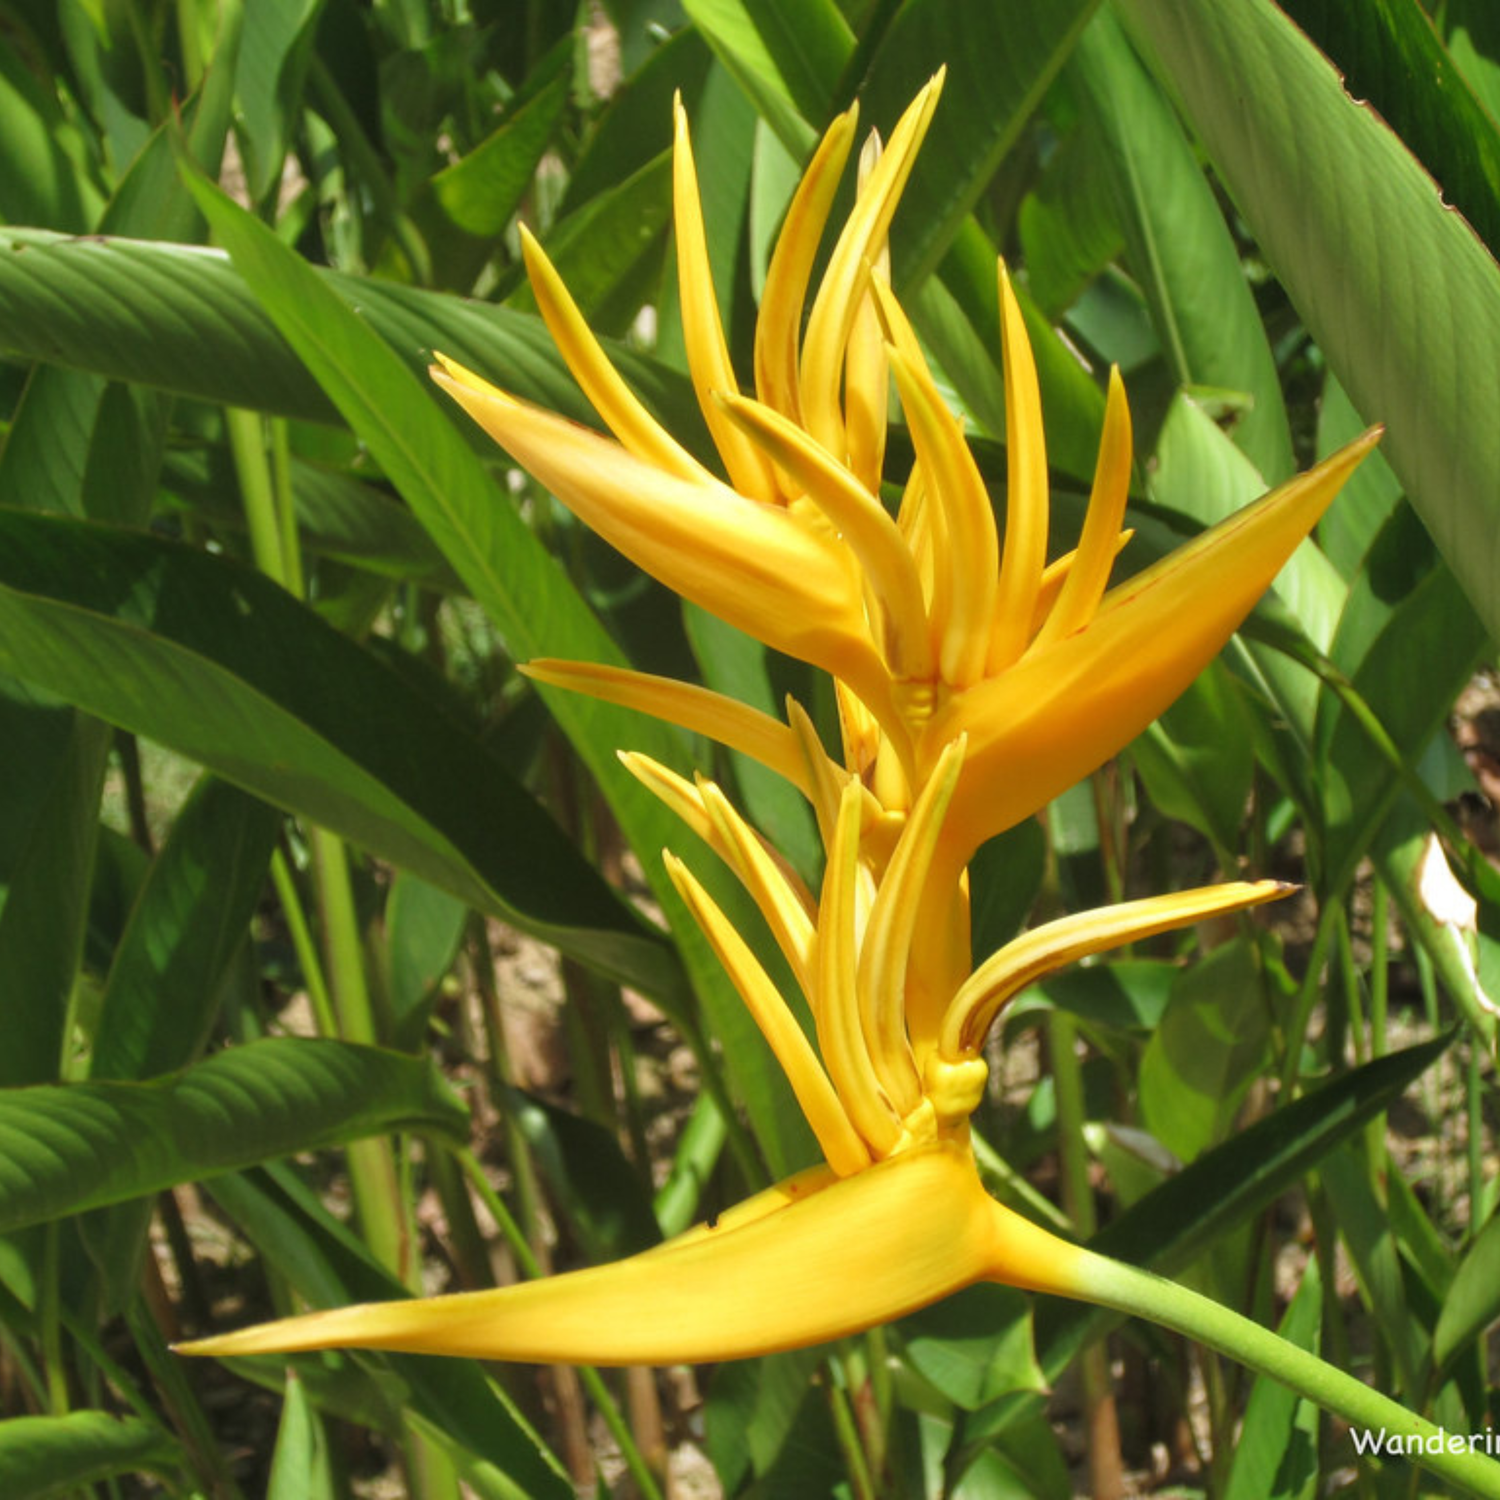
[975, 681]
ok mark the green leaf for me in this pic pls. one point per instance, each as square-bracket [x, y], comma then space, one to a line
[1178, 246]
[274, 51]
[608, 252]
[1068, 229]
[588, 1176]
[1473, 1302]
[786, 55]
[1198, 759]
[1408, 640]
[53, 1455]
[42, 925]
[1001, 57]
[181, 318]
[39, 183]
[1367, 1232]
[975, 1346]
[77, 1146]
[194, 910]
[482, 190]
[301, 1467]
[1207, 1051]
[223, 666]
[1409, 321]
[1391, 55]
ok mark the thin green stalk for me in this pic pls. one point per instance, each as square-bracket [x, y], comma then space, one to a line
[1129, 1289]
[1474, 1110]
[1100, 1421]
[846, 1430]
[593, 1382]
[303, 945]
[247, 447]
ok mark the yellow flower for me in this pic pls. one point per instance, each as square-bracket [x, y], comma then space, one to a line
[931, 629]
[895, 1218]
[974, 683]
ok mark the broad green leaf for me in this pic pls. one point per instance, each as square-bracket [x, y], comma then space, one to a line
[787, 55]
[975, 1346]
[1408, 641]
[1365, 1228]
[42, 1456]
[274, 51]
[223, 666]
[482, 190]
[76, 1146]
[39, 181]
[449, 1398]
[753, 1411]
[194, 910]
[526, 594]
[1207, 1051]
[42, 925]
[637, 125]
[1391, 55]
[1198, 759]
[423, 928]
[1000, 58]
[1351, 524]
[594, 1186]
[1473, 1302]
[338, 516]
[1068, 229]
[1473, 35]
[1178, 245]
[609, 250]
[1276, 1455]
[1409, 320]
[180, 318]
[1120, 995]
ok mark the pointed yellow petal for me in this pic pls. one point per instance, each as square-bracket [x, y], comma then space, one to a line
[750, 563]
[867, 376]
[703, 332]
[861, 519]
[860, 1252]
[696, 709]
[836, 1007]
[784, 902]
[615, 402]
[1061, 712]
[1068, 939]
[779, 326]
[966, 563]
[825, 779]
[675, 792]
[1054, 576]
[837, 1138]
[1026, 503]
[835, 305]
[887, 944]
[1101, 527]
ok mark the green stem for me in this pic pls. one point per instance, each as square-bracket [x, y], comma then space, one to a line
[1129, 1289]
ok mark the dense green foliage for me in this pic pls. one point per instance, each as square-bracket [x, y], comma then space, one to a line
[275, 799]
